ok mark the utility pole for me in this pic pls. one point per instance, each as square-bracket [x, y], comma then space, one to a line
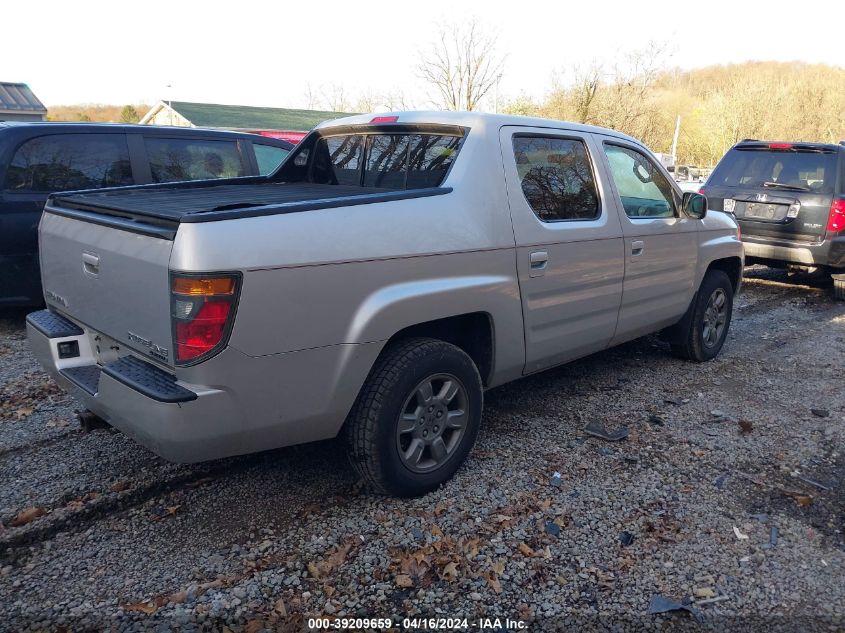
[675, 141]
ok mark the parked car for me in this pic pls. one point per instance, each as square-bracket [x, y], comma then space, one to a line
[393, 268]
[789, 199]
[37, 159]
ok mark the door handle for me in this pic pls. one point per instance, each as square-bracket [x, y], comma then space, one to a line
[538, 260]
[90, 264]
[637, 248]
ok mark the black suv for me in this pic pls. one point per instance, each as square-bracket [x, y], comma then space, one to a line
[789, 200]
[37, 159]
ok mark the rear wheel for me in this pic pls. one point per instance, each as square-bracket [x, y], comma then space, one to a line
[705, 328]
[416, 418]
[839, 287]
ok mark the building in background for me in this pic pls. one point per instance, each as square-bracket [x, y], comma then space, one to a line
[19, 103]
[290, 125]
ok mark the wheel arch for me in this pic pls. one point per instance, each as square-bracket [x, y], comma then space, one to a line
[472, 332]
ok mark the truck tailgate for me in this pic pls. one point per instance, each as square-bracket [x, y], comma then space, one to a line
[113, 281]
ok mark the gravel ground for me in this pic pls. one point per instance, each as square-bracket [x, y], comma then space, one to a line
[727, 495]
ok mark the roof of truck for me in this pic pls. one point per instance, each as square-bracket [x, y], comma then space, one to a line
[475, 119]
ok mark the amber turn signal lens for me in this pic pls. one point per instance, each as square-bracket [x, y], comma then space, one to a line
[205, 287]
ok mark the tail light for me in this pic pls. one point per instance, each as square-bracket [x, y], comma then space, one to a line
[202, 312]
[836, 219]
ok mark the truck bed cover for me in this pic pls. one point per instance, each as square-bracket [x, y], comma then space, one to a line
[175, 204]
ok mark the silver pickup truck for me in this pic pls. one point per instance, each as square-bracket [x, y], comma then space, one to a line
[392, 269]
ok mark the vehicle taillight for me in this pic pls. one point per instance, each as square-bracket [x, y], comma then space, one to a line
[780, 145]
[384, 119]
[202, 310]
[836, 219]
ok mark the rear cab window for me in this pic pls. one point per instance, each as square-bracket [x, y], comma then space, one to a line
[759, 166]
[175, 160]
[377, 160]
[66, 162]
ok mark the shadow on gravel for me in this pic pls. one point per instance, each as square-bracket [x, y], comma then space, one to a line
[821, 504]
[810, 281]
[13, 318]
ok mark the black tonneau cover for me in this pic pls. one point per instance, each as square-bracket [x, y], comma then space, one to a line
[225, 202]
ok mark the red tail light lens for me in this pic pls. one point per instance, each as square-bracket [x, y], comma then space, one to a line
[780, 146]
[836, 219]
[384, 119]
[202, 310]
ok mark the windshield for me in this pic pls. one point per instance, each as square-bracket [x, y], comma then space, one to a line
[804, 171]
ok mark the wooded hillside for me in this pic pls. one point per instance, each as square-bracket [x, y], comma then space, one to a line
[98, 113]
[718, 105]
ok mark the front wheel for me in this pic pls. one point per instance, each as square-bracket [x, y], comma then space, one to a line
[704, 329]
[416, 418]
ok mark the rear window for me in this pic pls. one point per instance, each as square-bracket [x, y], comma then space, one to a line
[385, 161]
[813, 171]
[174, 160]
[64, 162]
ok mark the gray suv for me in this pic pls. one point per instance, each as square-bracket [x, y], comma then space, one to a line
[789, 200]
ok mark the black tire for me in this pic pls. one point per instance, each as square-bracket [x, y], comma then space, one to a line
[839, 287]
[690, 342]
[373, 433]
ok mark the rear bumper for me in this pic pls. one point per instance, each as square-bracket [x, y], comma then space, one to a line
[829, 252]
[232, 404]
[182, 423]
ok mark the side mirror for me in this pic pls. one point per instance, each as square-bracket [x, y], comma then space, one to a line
[694, 205]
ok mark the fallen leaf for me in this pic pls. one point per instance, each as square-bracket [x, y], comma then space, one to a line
[179, 597]
[57, 423]
[494, 583]
[279, 607]
[143, 607]
[254, 626]
[120, 486]
[436, 531]
[24, 412]
[27, 515]
[802, 500]
[745, 427]
[499, 567]
[313, 570]
[526, 551]
[450, 571]
[403, 580]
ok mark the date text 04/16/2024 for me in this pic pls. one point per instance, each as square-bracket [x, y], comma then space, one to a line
[424, 624]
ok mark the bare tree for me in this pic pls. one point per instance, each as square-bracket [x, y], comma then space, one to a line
[311, 97]
[335, 98]
[462, 66]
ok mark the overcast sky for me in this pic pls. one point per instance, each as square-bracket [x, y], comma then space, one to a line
[253, 53]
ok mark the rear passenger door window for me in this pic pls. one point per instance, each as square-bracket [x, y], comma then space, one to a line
[556, 178]
[268, 157]
[64, 162]
[174, 160]
[644, 190]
